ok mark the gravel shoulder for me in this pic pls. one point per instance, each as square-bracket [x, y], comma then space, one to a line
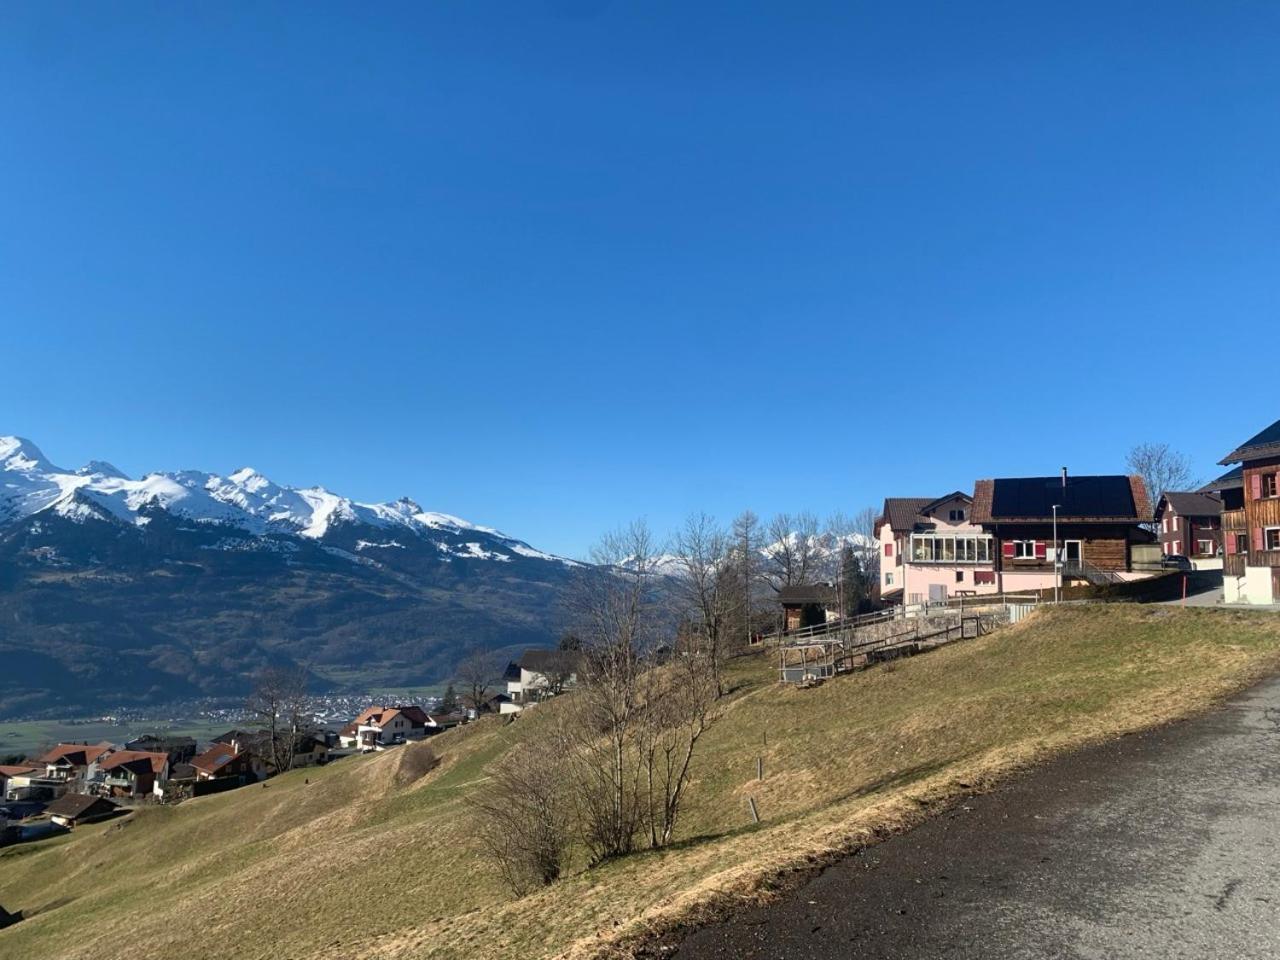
[1163, 844]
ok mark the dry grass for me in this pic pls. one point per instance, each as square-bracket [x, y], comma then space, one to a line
[362, 864]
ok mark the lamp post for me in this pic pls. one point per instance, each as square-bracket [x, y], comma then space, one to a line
[1057, 556]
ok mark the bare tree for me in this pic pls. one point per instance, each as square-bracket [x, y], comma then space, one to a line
[706, 589]
[614, 612]
[863, 530]
[793, 553]
[278, 703]
[747, 578]
[479, 672]
[1161, 468]
[680, 705]
[524, 818]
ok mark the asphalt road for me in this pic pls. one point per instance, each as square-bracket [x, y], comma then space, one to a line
[1161, 845]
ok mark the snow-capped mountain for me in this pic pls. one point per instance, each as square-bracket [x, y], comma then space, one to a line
[246, 500]
[117, 591]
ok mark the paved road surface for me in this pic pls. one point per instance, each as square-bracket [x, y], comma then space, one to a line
[1162, 845]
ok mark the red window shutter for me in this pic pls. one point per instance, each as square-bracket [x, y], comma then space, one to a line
[888, 549]
[1006, 549]
[1257, 539]
[1231, 546]
[1041, 550]
[1255, 486]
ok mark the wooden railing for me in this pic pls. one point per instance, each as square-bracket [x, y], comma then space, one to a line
[1234, 520]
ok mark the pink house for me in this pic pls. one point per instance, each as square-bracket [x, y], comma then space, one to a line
[930, 549]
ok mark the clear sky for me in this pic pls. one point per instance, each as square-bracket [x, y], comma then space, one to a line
[553, 264]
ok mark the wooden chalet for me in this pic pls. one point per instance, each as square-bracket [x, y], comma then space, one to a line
[1099, 521]
[1251, 530]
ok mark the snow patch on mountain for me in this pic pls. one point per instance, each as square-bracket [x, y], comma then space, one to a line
[245, 499]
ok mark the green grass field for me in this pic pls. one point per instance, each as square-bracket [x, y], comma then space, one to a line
[348, 862]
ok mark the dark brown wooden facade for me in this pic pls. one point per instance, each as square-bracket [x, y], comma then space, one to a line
[1255, 537]
[1104, 546]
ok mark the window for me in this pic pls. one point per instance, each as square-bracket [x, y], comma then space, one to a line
[959, 576]
[1271, 538]
[888, 579]
[1204, 547]
[956, 516]
[1242, 543]
[1269, 485]
[1175, 522]
[1166, 523]
[942, 548]
[1024, 549]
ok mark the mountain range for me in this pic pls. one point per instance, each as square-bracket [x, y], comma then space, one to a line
[120, 591]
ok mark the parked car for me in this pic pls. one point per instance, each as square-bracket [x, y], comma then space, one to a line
[1175, 561]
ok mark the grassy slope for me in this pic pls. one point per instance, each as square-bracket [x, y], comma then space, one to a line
[354, 864]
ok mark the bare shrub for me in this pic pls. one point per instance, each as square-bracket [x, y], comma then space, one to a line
[416, 761]
[524, 819]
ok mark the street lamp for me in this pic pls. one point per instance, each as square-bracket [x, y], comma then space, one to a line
[1057, 556]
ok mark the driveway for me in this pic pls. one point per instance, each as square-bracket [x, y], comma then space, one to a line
[1160, 845]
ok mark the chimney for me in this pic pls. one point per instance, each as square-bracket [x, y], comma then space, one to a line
[1064, 478]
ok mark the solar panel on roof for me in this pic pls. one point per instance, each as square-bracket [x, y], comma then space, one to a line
[1082, 497]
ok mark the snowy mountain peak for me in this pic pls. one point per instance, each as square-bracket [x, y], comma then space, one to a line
[19, 453]
[100, 468]
[244, 499]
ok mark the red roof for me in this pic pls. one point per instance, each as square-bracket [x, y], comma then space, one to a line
[15, 770]
[76, 754]
[215, 758]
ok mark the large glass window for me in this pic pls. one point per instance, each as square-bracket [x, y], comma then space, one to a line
[945, 548]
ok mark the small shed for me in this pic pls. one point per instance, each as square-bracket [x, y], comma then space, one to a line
[72, 809]
[808, 605]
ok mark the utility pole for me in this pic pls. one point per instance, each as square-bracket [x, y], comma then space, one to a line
[1057, 557]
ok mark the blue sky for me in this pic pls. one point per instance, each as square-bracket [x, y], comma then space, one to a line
[553, 265]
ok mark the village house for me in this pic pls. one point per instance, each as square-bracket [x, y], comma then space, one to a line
[537, 676]
[379, 727]
[73, 764]
[931, 549]
[133, 773]
[1251, 530]
[73, 809]
[1092, 524]
[10, 771]
[1190, 525]
[222, 760]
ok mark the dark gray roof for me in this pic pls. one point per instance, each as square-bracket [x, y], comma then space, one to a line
[549, 661]
[903, 513]
[1033, 498]
[1265, 443]
[1233, 479]
[807, 593]
[78, 804]
[1190, 504]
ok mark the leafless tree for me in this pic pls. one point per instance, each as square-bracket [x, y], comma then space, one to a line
[1161, 468]
[679, 707]
[706, 588]
[479, 673]
[793, 553]
[747, 579]
[614, 612]
[278, 704]
[863, 528]
[524, 818]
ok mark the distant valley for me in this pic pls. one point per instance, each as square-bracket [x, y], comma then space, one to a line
[116, 591]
